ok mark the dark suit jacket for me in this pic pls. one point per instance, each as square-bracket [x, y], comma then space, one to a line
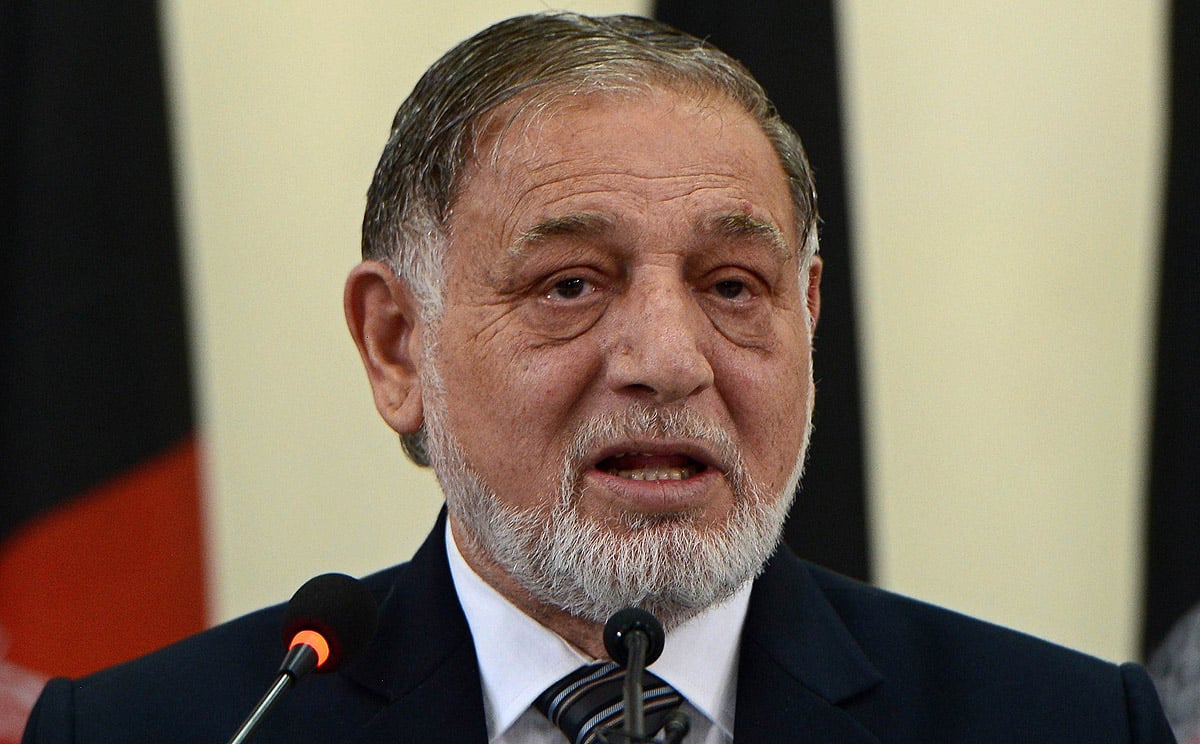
[823, 659]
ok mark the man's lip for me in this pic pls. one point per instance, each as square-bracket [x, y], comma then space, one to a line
[697, 451]
[654, 496]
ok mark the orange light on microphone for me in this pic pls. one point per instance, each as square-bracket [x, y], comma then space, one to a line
[315, 641]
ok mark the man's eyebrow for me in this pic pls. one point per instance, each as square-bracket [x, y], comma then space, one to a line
[582, 225]
[744, 226]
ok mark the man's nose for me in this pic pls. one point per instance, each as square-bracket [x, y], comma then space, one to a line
[659, 337]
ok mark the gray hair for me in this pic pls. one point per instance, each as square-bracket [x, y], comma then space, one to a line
[532, 59]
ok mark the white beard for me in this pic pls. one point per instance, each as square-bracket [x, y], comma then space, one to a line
[670, 565]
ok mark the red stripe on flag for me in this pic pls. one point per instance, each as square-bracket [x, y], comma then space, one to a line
[108, 576]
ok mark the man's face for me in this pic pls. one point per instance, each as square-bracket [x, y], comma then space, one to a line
[627, 332]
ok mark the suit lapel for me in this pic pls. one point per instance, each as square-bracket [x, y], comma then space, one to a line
[798, 664]
[422, 663]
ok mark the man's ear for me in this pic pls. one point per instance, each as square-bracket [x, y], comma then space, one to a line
[813, 292]
[384, 320]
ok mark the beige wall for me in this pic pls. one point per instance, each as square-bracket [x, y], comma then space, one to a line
[1005, 163]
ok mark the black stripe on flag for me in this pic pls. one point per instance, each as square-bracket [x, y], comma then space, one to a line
[1173, 522]
[93, 351]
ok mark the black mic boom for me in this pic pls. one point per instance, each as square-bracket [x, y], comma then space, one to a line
[330, 619]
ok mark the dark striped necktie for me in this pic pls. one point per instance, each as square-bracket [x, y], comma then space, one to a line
[588, 701]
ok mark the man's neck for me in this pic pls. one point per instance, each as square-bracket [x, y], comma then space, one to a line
[586, 636]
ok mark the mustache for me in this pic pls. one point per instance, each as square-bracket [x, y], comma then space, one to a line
[641, 422]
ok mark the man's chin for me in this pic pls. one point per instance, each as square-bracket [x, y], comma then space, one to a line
[671, 564]
[630, 523]
[588, 563]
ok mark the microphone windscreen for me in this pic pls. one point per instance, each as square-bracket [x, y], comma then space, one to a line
[628, 620]
[338, 607]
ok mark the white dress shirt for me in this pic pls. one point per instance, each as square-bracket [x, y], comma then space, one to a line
[519, 658]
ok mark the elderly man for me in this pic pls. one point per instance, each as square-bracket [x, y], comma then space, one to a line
[588, 300]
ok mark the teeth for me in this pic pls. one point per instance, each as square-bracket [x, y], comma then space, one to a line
[655, 474]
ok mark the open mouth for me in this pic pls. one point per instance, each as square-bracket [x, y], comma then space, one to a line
[642, 466]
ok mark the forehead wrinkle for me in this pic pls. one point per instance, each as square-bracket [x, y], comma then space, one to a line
[580, 225]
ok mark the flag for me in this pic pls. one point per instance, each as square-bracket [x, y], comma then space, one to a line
[100, 530]
[1171, 627]
[1172, 584]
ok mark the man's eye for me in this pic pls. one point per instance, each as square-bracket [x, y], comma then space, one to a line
[730, 289]
[568, 289]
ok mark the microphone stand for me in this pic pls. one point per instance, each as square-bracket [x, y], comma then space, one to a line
[300, 660]
[635, 717]
[260, 710]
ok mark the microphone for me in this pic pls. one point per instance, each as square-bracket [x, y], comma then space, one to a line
[634, 639]
[676, 727]
[330, 619]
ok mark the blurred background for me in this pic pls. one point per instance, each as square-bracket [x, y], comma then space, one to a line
[188, 434]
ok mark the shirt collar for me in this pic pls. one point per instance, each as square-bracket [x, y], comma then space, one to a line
[519, 657]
